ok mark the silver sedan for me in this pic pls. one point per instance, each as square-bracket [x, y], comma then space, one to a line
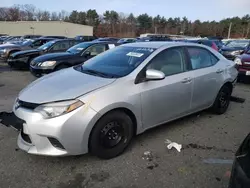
[99, 106]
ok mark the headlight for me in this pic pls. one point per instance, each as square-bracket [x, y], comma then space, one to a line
[47, 63]
[236, 52]
[237, 61]
[51, 110]
[3, 50]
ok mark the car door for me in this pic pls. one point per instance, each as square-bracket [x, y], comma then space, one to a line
[60, 46]
[208, 76]
[170, 98]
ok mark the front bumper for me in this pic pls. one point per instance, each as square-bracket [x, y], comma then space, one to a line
[39, 71]
[15, 63]
[71, 131]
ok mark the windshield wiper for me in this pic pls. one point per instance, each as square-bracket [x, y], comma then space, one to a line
[96, 73]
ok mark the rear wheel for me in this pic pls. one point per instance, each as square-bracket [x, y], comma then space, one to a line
[222, 100]
[111, 135]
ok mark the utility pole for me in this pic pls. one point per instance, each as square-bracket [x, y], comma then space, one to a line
[229, 30]
[155, 30]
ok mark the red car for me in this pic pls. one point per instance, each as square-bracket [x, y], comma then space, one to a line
[243, 64]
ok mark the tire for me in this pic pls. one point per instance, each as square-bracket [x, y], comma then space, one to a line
[60, 67]
[222, 100]
[111, 135]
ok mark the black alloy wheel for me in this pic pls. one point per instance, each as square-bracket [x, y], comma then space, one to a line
[222, 100]
[111, 135]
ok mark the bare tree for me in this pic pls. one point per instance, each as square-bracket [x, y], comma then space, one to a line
[13, 13]
[45, 16]
[54, 16]
[3, 14]
[30, 11]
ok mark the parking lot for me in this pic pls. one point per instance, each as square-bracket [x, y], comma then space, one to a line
[209, 143]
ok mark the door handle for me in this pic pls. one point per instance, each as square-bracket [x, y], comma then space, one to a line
[186, 80]
[219, 71]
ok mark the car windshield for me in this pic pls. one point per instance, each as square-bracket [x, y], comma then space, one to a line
[242, 44]
[117, 62]
[78, 48]
[46, 45]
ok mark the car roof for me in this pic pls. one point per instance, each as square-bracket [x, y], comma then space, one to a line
[160, 44]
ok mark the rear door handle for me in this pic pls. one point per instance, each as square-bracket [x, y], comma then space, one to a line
[186, 80]
[219, 71]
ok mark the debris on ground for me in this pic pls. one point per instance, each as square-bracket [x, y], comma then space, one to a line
[147, 155]
[218, 161]
[173, 144]
[152, 166]
[237, 99]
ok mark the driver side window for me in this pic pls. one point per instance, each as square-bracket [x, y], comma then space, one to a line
[170, 61]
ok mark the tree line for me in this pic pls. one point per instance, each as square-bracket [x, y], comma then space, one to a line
[112, 23]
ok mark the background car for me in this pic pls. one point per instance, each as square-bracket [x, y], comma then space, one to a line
[126, 40]
[154, 38]
[100, 105]
[234, 48]
[77, 54]
[240, 175]
[205, 42]
[8, 49]
[243, 64]
[11, 39]
[107, 39]
[85, 38]
[22, 59]
[55, 37]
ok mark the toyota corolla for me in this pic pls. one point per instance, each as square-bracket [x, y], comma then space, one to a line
[99, 106]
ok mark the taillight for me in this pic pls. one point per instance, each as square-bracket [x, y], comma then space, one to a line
[215, 47]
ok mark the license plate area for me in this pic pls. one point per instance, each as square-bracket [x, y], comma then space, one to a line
[9, 119]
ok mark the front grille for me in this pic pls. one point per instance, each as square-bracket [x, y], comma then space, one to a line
[28, 105]
[55, 143]
[25, 137]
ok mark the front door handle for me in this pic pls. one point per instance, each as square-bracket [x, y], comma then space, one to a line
[219, 71]
[186, 80]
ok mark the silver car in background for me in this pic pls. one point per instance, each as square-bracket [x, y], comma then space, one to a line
[99, 106]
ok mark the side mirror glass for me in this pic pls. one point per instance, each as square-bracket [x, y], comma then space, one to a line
[152, 74]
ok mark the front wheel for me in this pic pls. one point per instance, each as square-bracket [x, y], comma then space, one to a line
[111, 135]
[222, 100]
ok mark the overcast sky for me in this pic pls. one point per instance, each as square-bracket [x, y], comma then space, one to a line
[193, 9]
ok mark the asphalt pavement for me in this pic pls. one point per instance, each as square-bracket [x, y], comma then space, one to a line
[208, 146]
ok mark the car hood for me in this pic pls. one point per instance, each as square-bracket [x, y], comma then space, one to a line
[232, 48]
[50, 88]
[3, 46]
[24, 53]
[245, 57]
[53, 56]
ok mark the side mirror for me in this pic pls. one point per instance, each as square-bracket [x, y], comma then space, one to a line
[152, 74]
[87, 54]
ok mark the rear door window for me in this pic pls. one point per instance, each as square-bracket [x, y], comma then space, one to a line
[201, 57]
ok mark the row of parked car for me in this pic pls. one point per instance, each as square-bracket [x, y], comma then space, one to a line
[47, 54]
